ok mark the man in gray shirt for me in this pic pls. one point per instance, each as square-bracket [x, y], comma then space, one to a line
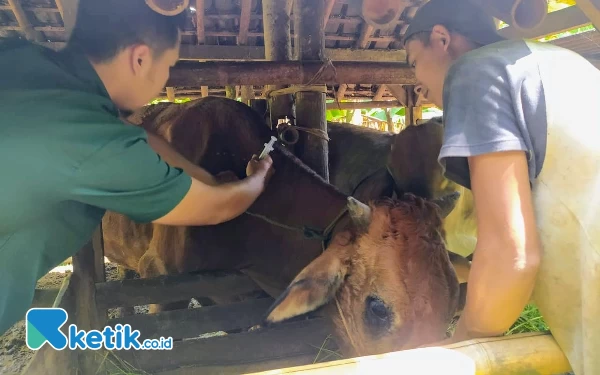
[522, 132]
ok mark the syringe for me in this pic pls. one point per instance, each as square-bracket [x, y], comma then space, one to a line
[268, 148]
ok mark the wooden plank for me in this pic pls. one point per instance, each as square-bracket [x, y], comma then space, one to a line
[188, 323]
[310, 106]
[365, 105]
[555, 22]
[166, 289]
[327, 12]
[529, 353]
[591, 9]
[244, 22]
[24, 23]
[379, 93]
[200, 33]
[285, 340]
[47, 360]
[170, 94]
[288, 73]
[365, 34]
[69, 15]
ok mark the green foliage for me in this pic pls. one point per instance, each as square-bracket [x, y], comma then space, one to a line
[530, 321]
[177, 101]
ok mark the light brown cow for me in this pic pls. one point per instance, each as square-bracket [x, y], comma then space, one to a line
[386, 263]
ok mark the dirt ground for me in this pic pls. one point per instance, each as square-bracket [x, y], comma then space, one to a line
[14, 353]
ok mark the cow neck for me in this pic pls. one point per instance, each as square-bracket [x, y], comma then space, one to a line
[297, 198]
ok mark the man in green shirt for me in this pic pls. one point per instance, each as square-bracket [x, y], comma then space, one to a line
[66, 157]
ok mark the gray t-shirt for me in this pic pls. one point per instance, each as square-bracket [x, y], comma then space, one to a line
[493, 101]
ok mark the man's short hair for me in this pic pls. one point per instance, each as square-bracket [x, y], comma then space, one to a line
[105, 27]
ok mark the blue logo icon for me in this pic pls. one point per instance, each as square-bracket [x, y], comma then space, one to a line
[43, 326]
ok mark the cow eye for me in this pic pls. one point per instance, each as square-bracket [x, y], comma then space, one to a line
[378, 316]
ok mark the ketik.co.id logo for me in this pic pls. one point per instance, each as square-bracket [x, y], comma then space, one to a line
[43, 326]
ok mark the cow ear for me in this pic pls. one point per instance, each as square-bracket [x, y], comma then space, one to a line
[314, 286]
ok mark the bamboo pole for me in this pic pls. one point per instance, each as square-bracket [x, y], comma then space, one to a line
[533, 353]
[311, 106]
[365, 105]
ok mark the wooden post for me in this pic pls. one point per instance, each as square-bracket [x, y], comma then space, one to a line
[310, 106]
[204, 91]
[230, 92]
[88, 269]
[278, 47]
[247, 94]
[171, 94]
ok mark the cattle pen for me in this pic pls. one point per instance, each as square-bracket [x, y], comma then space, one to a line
[291, 60]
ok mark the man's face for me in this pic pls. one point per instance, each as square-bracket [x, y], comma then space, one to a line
[148, 75]
[430, 63]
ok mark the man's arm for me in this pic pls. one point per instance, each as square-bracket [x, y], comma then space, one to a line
[205, 204]
[508, 250]
[175, 159]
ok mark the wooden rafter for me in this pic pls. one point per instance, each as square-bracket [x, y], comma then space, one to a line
[25, 26]
[244, 22]
[327, 12]
[60, 8]
[379, 93]
[365, 34]
[200, 35]
[591, 9]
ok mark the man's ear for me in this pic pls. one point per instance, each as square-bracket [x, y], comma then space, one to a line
[440, 36]
[140, 59]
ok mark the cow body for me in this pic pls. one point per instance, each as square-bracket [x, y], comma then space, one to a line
[417, 296]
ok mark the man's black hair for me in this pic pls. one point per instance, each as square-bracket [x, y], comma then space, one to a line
[105, 27]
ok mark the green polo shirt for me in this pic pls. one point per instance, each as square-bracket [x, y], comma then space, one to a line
[65, 158]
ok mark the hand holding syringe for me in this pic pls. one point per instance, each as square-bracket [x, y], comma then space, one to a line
[268, 148]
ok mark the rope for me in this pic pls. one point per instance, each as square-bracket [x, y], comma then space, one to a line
[319, 133]
[269, 94]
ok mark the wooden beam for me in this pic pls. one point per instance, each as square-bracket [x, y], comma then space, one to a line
[365, 105]
[379, 93]
[327, 12]
[310, 106]
[341, 92]
[365, 34]
[282, 340]
[167, 289]
[69, 15]
[244, 22]
[200, 37]
[288, 73]
[86, 273]
[278, 47]
[555, 22]
[186, 323]
[59, 6]
[171, 94]
[591, 9]
[24, 23]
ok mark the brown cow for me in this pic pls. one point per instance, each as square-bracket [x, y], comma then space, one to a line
[404, 162]
[386, 262]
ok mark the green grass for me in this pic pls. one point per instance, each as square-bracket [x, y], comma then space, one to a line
[530, 320]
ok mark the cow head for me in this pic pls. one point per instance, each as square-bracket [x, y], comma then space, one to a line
[389, 279]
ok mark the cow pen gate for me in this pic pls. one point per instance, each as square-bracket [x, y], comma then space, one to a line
[343, 50]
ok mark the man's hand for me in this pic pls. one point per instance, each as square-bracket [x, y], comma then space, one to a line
[262, 167]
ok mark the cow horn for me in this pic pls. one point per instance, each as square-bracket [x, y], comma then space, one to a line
[359, 212]
[447, 202]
